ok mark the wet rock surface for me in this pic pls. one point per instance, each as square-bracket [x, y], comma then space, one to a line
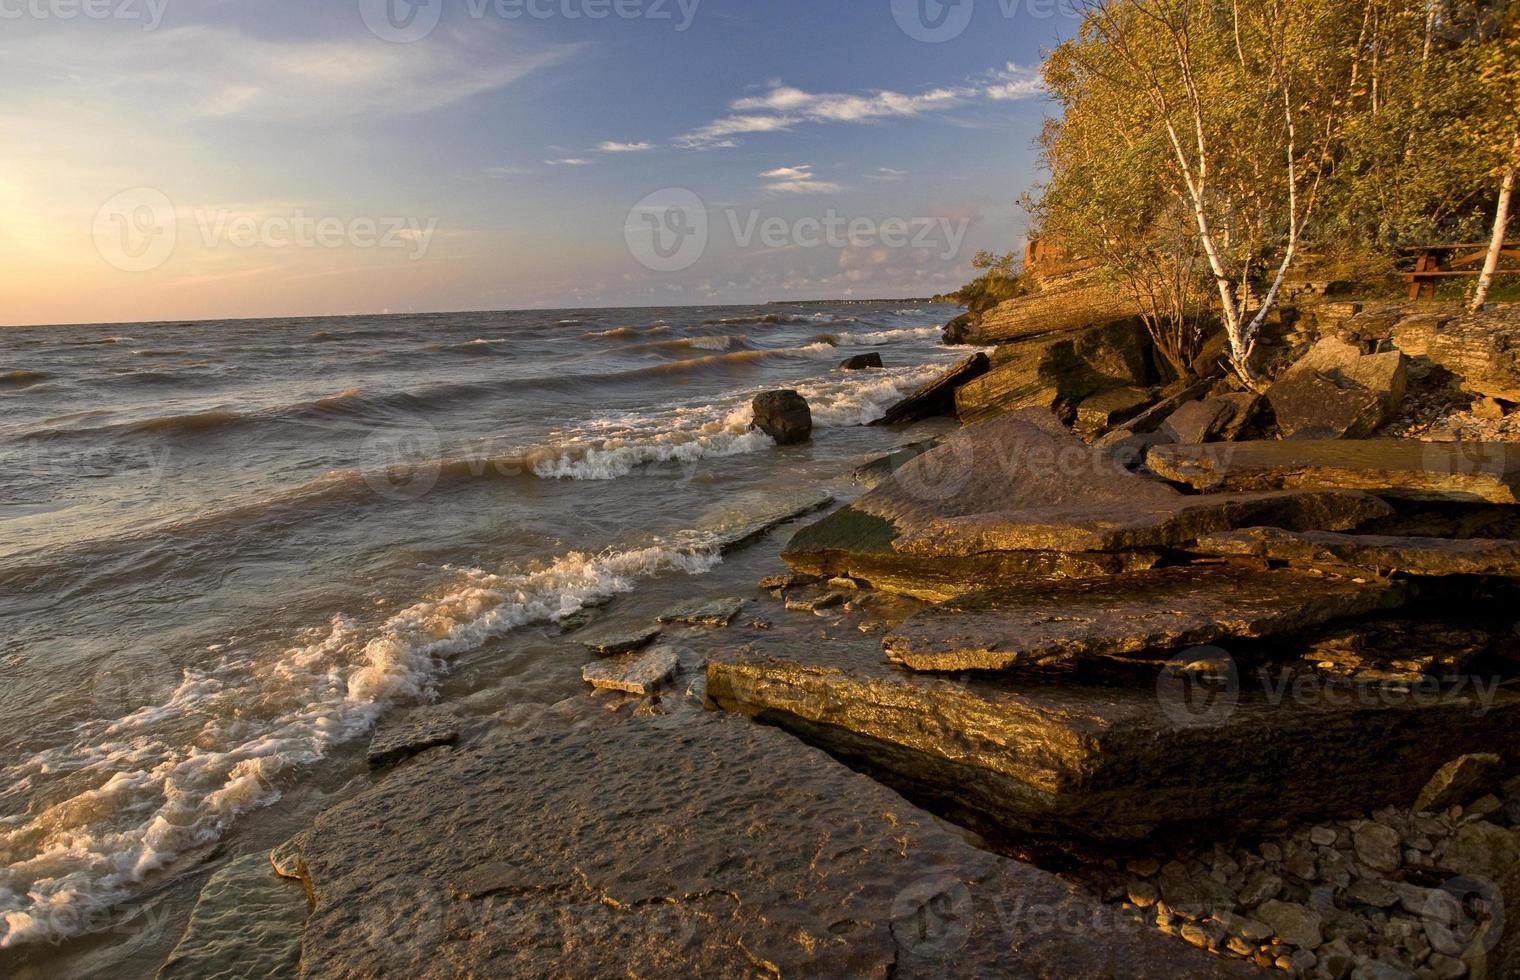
[412, 733]
[634, 673]
[861, 362]
[741, 852]
[705, 612]
[1149, 611]
[1414, 555]
[246, 923]
[784, 416]
[1400, 468]
[620, 639]
[937, 396]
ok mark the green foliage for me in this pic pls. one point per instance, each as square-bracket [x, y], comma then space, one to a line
[1001, 280]
[1204, 148]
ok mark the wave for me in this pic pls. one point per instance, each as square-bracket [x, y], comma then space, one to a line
[889, 336]
[713, 342]
[23, 379]
[166, 780]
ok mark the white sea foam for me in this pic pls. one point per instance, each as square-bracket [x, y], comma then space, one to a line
[161, 781]
[615, 446]
[888, 336]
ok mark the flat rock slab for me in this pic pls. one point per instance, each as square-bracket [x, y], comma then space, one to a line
[246, 923]
[395, 740]
[1109, 761]
[1135, 613]
[1400, 468]
[634, 673]
[721, 848]
[860, 546]
[623, 639]
[1414, 555]
[705, 612]
[1167, 523]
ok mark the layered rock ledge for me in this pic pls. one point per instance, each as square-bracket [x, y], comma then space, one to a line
[718, 848]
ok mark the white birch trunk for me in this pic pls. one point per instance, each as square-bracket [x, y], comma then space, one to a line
[1501, 222]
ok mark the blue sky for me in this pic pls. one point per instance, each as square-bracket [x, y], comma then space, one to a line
[170, 159]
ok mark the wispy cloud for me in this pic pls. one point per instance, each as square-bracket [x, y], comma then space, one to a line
[569, 162]
[503, 173]
[798, 180]
[212, 72]
[612, 146]
[886, 173]
[783, 107]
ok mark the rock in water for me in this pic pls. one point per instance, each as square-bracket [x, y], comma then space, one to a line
[936, 396]
[1159, 610]
[621, 640]
[246, 923]
[634, 673]
[784, 416]
[417, 732]
[740, 852]
[1470, 472]
[704, 612]
[860, 362]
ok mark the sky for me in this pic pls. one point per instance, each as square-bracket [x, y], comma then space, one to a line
[216, 159]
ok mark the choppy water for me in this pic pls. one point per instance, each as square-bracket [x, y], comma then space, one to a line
[226, 549]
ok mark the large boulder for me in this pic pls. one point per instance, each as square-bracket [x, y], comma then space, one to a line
[936, 396]
[1058, 371]
[1483, 349]
[718, 848]
[784, 416]
[861, 362]
[1464, 472]
[1161, 610]
[1337, 392]
[1221, 417]
[1108, 760]
[958, 330]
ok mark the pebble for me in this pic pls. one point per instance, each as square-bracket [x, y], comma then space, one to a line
[1323, 836]
[1377, 846]
[1144, 867]
[1143, 894]
[1292, 923]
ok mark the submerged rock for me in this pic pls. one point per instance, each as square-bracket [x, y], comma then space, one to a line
[861, 362]
[406, 736]
[634, 673]
[1414, 555]
[246, 923]
[1114, 761]
[621, 639]
[1160, 610]
[937, 396]
[704, 612]
[1471, 472]
[784, 416]
[741, 852]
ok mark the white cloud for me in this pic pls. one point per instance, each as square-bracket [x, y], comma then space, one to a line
[612, 146]
[503, 173]
[798, 180]
[783, 107]
[569, 162]
[886, 173]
